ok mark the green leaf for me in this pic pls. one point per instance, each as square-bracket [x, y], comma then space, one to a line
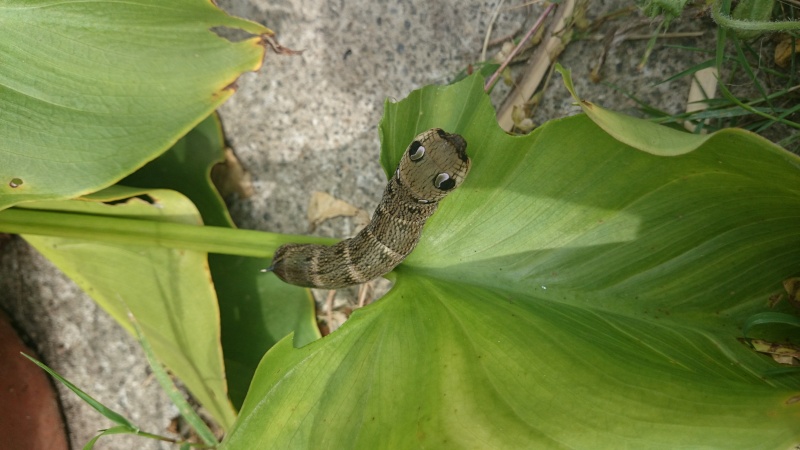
[769, 318]
[169, 291]
[93, 90]
[644, 135]
[574, 292]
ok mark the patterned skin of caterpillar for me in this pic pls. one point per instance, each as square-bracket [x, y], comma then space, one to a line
[434, 164]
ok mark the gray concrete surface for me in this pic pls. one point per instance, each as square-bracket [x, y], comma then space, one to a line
[306, 123]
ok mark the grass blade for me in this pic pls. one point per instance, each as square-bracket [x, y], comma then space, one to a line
[174, 394]
[101, 408]
[122, 429]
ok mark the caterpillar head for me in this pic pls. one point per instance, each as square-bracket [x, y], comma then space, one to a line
[434, 164]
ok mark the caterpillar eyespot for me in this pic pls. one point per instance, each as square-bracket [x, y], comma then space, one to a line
[409, 199]
[444, 182]
[416, 151]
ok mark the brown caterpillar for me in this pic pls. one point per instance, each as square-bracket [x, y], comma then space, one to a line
[434, 164]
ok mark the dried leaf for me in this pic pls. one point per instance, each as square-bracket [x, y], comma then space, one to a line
[785, 50]
[230, 176]
[324, 206]
[781, 353]
[704, 87]
[792, 286]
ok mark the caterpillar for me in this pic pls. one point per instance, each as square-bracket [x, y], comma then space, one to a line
[432, 166]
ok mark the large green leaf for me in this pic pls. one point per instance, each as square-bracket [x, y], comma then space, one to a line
[90, 91]
[168, 291]
[575, 292]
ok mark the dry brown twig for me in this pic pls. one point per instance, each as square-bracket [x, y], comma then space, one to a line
[522, 43]
[538, 66]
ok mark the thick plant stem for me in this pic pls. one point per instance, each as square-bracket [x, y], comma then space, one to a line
[148, 232]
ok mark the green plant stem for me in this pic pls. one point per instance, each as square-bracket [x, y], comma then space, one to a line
[727, 21]
[117, 230]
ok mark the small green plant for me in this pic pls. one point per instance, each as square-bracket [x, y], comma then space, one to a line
[753, 58]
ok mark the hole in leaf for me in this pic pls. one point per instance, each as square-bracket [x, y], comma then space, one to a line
[231, 34]
[122, 201]
[15, 182]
